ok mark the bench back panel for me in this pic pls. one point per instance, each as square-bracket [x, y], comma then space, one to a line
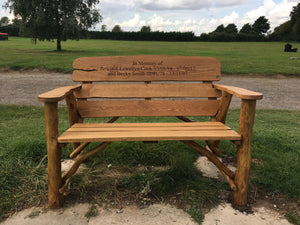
[147, 86]
[147, 68]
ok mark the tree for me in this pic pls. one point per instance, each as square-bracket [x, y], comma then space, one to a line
[295, 14]
[103, 28]
[290, 30]
[16, 22]
[261, 25]
[295, 22]
[146, 29]
[55, 19]
[231, 28]
[282, 32]
[116, 28]
[4, 21]
[220, 28]
[246, 29]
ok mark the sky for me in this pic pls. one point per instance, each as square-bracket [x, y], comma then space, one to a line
[198, 16]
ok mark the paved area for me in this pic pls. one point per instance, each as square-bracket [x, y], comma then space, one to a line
[280, 92]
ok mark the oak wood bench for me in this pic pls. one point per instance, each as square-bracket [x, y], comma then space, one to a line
[150, 85]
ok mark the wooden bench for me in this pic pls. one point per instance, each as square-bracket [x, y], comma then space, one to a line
[150, 85]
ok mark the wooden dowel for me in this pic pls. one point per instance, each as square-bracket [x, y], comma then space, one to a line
[211, 157]
[113, 119]
[83, 157]
[213, 119]
[64, 187]
[212, 148]
[236, 142]
[79, 149]
[230, 181]
[185, 119]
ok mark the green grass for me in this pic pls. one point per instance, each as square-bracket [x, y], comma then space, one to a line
[236, 57]
[23, 180]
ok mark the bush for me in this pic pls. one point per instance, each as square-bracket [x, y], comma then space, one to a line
[10, 29]
[141, 36]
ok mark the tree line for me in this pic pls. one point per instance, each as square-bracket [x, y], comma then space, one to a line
[72, 19]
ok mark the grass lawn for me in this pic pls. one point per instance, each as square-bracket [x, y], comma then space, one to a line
[236, 57]
[23, 181]
[275, 149]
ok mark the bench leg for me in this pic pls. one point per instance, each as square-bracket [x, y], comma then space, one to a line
[244, 152]
[54, 156]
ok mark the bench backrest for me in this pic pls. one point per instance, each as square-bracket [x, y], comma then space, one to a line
[149, 85]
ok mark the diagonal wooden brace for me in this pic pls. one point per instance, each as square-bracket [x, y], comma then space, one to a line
[212, 157]
[79, 160]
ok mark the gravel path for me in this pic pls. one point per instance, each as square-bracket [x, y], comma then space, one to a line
[280, 92]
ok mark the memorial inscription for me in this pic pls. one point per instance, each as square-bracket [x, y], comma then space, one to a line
[143, 68]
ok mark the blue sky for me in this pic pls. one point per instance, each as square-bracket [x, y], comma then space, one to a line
[199, 16]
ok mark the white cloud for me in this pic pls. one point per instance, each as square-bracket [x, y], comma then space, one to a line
[4, 12]
[186, 4]
[232, 18]
[132, 23]
[199, 16]
[158, 22]
[276, 13]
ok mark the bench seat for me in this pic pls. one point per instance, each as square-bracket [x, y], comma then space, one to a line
[108, 132]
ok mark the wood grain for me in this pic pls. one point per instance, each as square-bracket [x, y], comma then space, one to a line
[57, 94]
[146, 68]
[148, 132]
[147, 90]
[54, 155]
[118, 108]
[240, 92]
[246, 123]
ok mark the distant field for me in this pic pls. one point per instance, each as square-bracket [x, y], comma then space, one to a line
[236, 57]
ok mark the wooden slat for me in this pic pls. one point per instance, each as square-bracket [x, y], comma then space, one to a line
[240, 92]
[147, 90]
[57, 94]
[147, 68]
[137, 125]
[148, 132]
[108, 108]
[128, 129]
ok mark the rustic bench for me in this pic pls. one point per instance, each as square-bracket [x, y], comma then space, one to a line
[150, 85]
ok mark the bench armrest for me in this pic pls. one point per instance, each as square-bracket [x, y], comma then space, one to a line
[240, 92]
[58, 94]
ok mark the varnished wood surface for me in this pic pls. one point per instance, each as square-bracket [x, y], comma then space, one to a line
[148, 132]
[137, 94]
[109, 108]
[54, 155]
[241, 180]
[147, 90]
[147, 68]
[240, 92]
[57, 94]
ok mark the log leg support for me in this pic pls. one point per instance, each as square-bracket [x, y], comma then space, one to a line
[54, 156]
[244, 152]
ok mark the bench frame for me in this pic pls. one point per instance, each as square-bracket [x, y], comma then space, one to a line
[238, 180]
